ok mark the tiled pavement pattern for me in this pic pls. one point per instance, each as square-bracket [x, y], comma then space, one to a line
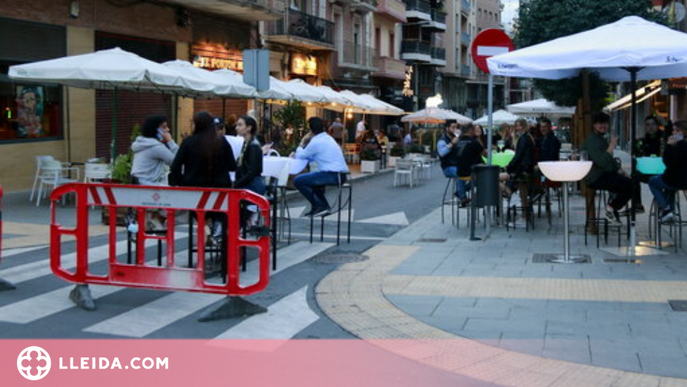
[485, 310]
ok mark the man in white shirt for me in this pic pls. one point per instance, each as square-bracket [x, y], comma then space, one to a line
[360, 130]
[319, 147]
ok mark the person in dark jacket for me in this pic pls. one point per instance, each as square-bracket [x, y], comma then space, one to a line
[469, 153]
[606, 173]
[664, 186]
[520, 168]
[249, 164]
[649, 146]
[204, 159]
[548, 144]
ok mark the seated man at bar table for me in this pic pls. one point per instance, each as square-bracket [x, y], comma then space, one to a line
[664, 186]
[319, 147]
[606, 173]
[649, 146]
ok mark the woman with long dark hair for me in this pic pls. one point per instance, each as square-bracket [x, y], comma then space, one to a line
[249, 164]
[204, 160]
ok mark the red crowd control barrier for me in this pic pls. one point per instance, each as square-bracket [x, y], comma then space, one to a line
[4, 285]
[168, 276]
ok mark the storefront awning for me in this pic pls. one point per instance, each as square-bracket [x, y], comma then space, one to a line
[642, 94]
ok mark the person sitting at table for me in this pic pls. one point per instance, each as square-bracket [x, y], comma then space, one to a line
[153, 150]
[448, 156]
[521, 166]
[249, 165]
[649, 146]
[664, 186]
[469, 154]
[606, 173]
[369, 140]
[319, 147]
[204, 160]
[549, 145]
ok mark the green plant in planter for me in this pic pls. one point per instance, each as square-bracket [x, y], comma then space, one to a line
[121, 168]
[369, 154]
[397, 151]
[293, 114]
[415, 148]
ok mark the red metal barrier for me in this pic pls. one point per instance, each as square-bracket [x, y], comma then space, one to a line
[4, 285]
[169, 276]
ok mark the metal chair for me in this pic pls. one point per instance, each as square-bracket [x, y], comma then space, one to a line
[405, 168]
[54, 174]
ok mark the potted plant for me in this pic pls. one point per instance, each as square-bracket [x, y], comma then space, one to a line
[121, 174]
[395, 153]
[415, 150]
[369, 160]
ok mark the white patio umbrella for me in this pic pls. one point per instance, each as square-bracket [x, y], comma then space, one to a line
[381, 107]
[222, 84]
[540, 106]
[630, 49]
[498, 117]
[113, 69]
[435, 115]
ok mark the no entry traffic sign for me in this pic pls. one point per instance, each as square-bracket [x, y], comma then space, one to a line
[489, 43]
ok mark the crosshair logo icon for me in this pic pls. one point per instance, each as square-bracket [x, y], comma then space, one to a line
[33, 363]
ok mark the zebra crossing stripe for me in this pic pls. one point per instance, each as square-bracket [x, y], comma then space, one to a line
[283, 320]
[155, 315]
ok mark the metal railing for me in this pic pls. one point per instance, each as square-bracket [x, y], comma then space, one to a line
[438, 16]
[466, 7]
[418, 5]
[303, 25]
[358, 54]
[438, 53]
[465, 70]
[415, 46]
[465, 38]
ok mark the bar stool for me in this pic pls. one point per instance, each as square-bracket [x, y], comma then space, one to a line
[467, 180]
[674, 227]
[342, 202]
[599, 199]
[452, 201]
[526, 208]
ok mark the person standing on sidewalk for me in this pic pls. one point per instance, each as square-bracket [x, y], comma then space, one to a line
[319, 147]
[606, 173]
[665, 186]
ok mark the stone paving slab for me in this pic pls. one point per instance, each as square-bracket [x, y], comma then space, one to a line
[599, 324]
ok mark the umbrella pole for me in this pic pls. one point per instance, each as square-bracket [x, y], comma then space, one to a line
[633, 134]
[490, 108]
[113, 147]
[224, 109]
[175, 128]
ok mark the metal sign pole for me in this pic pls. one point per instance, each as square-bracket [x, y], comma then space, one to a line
[490, 110]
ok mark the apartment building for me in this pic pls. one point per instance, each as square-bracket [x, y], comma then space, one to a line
[460, 22]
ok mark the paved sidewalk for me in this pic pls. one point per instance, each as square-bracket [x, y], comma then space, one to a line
[486, 310]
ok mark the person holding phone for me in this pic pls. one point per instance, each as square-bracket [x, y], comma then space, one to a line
[153, 150]
[664, 186]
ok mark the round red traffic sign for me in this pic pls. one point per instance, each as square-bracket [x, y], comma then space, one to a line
[489, 43]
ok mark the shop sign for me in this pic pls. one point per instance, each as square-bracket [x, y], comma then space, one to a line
[213, 63]
[303, 65]
[408, 82]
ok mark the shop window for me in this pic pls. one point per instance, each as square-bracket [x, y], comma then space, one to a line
[29, 112]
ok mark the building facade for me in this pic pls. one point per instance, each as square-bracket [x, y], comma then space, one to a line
[75, 124]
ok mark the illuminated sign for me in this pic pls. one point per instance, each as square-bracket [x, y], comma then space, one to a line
[303, 65]
[408, 82]
[212, 63]
[215, 56]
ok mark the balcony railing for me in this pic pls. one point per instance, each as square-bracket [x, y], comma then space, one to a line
[394, 9]
[465, 38]
[418, 5]
[364, 5]
[302, 25]
[466, 7]
[438, 16]
[465, 70]
[415, 46]
[359, 55]
[390, 68]
[438, 53]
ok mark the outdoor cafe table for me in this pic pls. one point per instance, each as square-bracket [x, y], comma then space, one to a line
[281, 168]
[500, 159]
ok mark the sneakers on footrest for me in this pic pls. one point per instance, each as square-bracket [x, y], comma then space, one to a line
[613, 217]
[667, 216]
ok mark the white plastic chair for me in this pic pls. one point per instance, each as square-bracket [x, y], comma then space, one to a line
[96, 172]
[54, 174]
[39, 166]
[405, 168]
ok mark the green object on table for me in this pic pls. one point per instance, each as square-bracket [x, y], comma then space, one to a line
[650, 165]
[500, 159]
